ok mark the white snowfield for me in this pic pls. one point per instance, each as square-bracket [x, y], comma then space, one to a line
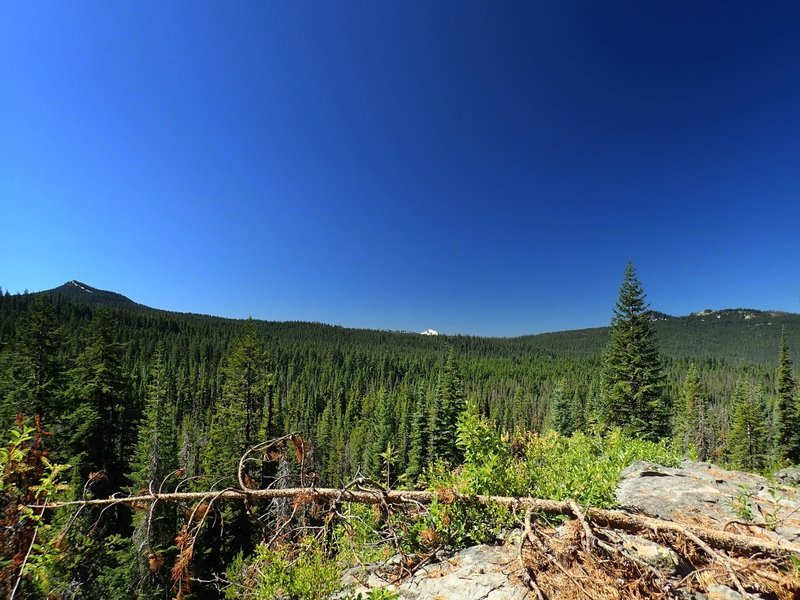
[78, 285]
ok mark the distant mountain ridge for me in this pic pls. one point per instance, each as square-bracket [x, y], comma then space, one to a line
[735, 334]
[77, 291]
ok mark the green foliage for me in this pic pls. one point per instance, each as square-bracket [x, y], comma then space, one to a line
[92, 567]
[154, 465]
[417, 453]
[35, 372]
[796, 564]
[27, 552]
[374, 594]
[450, 403]
[787, 410]
[691, 418]
[100, 394]
[301, 571]
[451, 525]
[488, 465]
[564, 417]
[743, 505]
[238, 417]
[585, 467]
[633, 378]
[747, 446]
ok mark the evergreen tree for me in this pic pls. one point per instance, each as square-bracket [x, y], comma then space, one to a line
[155, 458]
[578, 412]
[562, 414]
[99, 435]
[34, 373]
[238, 414]
[418, 439]
[690, 417]
[787, 419]
[747, 445]
[632, 373]
[450, 403]
[378, 428]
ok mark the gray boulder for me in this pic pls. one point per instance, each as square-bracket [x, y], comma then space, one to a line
[704, 492]
[789, 476]
[476, 573]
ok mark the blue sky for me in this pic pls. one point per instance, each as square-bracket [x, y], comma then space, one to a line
[484, 168]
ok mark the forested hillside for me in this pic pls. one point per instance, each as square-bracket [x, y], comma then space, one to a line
[131, 395]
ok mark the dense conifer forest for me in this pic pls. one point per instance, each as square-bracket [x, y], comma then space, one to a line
[131, 397]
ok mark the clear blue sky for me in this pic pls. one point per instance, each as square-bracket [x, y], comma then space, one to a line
[484, 168]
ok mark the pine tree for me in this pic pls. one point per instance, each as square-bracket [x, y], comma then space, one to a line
[690, 417]
[747, 445]
[562, 414]
[787, 419]
[97, 438]
[578, 411]
[450, 403]
[155, 458]
[34, 372]
[378, 426]
[238, 415]
[418, 438]
[632, 373]
[98, 424]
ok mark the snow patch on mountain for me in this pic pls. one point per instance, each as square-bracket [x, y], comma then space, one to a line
[78, 285]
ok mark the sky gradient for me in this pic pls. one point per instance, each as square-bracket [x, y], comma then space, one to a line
[466, 167]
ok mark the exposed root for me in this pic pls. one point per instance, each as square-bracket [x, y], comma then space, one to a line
[584, 559]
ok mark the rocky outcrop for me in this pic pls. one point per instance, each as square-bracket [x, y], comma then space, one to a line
[789, 476]
[477, 573]
[702, 492]
[694, 494]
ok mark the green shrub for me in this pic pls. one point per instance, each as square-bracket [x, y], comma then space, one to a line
[586, 467]
[301, 571]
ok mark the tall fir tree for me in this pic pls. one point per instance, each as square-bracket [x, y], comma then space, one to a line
[154, 462]
[418, 438]
[690, 427]
[97, 439]
[633, 378]
[34, 372]
[747, 444]
[787, 419]
[238, 416]
[562, 415]
[99, 436]
[450, 403]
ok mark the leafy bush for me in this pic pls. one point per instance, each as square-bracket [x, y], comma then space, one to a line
[584, 466]
[311, 568]
[26, 477]
[301, 571]
[447, 525]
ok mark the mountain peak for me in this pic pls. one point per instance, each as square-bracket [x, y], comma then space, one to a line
[78, 291]
[79, 285]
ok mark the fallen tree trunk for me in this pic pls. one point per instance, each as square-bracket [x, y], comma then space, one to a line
[617, 519]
